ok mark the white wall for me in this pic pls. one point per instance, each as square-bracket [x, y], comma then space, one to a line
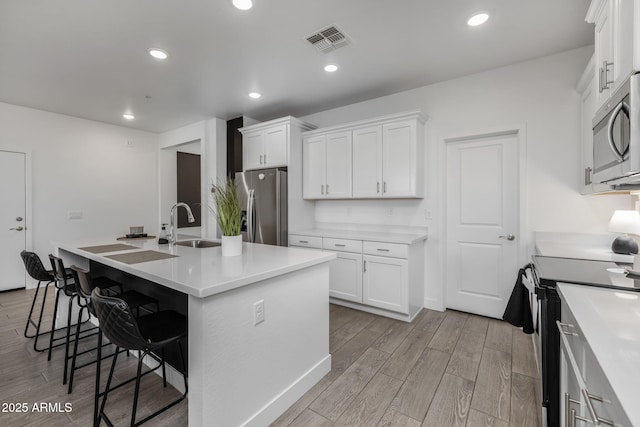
[210, 136]
[538, 94]
[82, 165]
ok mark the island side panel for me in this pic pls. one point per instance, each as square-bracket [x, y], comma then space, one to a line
[246, 374]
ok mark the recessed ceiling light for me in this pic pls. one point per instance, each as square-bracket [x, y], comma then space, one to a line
[254, 95]
[331, 68]
[243, 4]
[128, 116]
[158, 53]
[478, 19]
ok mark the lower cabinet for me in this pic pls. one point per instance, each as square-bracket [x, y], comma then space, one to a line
[586, 396]
[389, 283]
[385, 283]
[345, 277]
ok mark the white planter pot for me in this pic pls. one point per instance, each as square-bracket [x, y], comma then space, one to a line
[231, 245]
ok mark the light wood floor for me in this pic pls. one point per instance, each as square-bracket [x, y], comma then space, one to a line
[443, 369]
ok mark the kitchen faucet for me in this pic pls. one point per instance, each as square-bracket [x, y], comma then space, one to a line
[172, 237]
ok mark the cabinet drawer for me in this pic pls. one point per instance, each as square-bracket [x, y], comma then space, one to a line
[394, 250]
[305, 241]
[342, 245]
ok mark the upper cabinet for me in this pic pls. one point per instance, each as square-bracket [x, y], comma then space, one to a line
[268, 144]
[588, 89]
[326, 166]
[375, 158]
[616, 46]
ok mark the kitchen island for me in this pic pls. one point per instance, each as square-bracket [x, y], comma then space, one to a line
[242, 371]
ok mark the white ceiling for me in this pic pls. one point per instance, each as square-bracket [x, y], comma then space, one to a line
[88, 58]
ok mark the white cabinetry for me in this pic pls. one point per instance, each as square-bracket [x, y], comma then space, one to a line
[588, 89]
[327, 166]
[267, 144]
[616, 46]
[585, 392]
[378, 277]
[385, 159]
[385, 283]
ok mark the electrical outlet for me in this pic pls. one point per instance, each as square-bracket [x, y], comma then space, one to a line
[258, 312]
[75, 215]
[131, 144]
[428, 214]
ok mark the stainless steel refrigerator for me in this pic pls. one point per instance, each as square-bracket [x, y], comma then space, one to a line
[263, 197]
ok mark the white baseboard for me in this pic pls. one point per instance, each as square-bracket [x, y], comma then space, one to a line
[272, 410]
[434, 304]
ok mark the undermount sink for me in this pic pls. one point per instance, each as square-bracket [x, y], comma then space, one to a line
[198, 243]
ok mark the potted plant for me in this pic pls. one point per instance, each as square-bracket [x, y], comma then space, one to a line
[229, 214]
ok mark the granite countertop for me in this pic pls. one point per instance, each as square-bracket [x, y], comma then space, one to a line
[404, 237]
[610, 321]
[200, 272]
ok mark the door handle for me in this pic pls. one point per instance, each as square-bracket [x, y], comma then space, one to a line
[19, 228]
[508, 237]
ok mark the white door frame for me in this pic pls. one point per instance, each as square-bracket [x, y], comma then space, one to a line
[519, 130]
[28, 221]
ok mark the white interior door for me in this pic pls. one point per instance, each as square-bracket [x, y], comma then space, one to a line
[12, 219]
[482, 223]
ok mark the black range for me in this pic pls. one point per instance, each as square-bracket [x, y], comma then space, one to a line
[548, 271]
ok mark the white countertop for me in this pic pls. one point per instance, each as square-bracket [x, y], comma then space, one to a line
[204, 272]
[406, 238]
[610, 323]
[593, 246]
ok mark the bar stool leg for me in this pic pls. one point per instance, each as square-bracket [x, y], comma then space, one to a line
[96, 396]
[106, 391]
[35, 343]
[164, 373]
[137, 390]
[75, 352]
[33, 303]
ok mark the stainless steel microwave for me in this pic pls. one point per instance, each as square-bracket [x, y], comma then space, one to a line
[616, 136]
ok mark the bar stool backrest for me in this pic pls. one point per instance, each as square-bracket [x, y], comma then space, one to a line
[117, 322]
[83, 283]
[34, 266]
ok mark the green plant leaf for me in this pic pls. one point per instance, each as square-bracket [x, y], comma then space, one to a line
[227, 207]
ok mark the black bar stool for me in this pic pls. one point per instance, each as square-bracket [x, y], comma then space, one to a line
[84, 285]
[36, 270]
[147, 333]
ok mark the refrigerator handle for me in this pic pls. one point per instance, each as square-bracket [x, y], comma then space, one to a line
[250, 216]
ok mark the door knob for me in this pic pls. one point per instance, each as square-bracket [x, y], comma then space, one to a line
[19, 228]
[508, 237]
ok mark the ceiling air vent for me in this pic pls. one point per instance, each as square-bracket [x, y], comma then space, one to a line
[329, 39]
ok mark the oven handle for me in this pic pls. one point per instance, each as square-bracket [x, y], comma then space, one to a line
[614, 114]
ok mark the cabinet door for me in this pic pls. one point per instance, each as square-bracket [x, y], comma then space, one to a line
[275, 146]
[314, 161]
[385, 283]
[338, 165]
[399, 159]
[603, 51]
[345, 277]
[588, 109]
[252, 150]
[623, 39]
[367, 162]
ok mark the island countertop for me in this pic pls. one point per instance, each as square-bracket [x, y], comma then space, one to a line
[202, 272]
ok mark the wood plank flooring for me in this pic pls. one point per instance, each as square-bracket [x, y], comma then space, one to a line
[443, 369]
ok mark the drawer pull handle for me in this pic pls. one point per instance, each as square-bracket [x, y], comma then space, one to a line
[339, 245]
[365, 266]
[303, 241]
[383, 250]
[562, 326]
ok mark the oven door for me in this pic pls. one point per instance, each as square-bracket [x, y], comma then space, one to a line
[550, 306]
